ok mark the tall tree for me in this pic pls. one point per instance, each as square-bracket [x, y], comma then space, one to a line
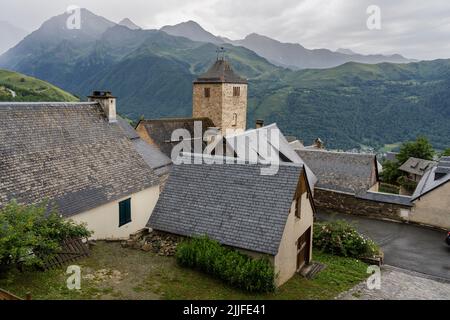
[421, 148]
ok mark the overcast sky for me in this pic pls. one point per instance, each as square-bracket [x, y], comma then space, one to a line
[415, 28]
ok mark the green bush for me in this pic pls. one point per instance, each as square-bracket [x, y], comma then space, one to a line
[31, 234]
[231, 266]
[341, 238]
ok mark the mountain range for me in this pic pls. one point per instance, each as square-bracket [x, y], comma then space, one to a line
[289, 55]
[151, 73]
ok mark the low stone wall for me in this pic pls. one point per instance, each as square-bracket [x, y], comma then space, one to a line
[328, 200]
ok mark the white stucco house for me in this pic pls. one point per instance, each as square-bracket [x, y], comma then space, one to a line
[81, 158]
[233, 203]
[431, 199]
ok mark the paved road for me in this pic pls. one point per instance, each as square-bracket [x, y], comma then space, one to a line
[405, 246]
[399, 284]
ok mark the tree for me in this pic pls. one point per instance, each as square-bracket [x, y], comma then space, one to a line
[421, 148]
[390, 172]
[30, 234]
[446, 153]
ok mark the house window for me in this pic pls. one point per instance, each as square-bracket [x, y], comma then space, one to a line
[124, 212]
[234, 119]
[207, 92]
[236, 91]
[298, 207]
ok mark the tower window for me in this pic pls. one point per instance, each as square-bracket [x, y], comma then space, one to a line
[236, 91]
[207, 92]
[234, 119]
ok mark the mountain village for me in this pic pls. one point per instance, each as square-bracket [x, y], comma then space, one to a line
[123, 181]
[208, 206]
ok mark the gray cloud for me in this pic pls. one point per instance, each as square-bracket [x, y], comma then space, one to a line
[416, 29]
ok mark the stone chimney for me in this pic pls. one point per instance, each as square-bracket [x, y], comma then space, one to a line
[259, 124]
[108, 103]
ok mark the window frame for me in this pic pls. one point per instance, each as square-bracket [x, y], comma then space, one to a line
[126, 206]
[207, 92]
[236, 91]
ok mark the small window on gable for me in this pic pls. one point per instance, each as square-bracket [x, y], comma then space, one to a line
[234, 119]
[236, 91]
[124, 212]
[207, 92]
[298, 207]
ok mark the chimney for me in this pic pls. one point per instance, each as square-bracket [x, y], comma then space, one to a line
[319, 143]
[108, 103]
[259, 124]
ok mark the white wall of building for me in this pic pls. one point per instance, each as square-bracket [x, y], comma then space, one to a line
[104, 220]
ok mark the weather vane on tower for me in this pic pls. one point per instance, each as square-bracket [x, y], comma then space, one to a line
[220, 53]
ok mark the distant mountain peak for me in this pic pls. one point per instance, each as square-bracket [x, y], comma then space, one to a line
[126, 22]
[193, 31]
[346, 51]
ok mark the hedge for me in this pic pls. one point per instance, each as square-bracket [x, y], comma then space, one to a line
[341, 238]
[231, 266]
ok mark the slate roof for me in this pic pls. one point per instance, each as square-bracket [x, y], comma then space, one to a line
[231, 203]
[280, 150]
[433, 178]
[160, 131]
[386, 198]
[69, 154]
[157, 160]
[220, 72]
[341, 171]
[417, 166]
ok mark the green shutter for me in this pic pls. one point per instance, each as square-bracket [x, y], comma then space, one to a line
[124, 212]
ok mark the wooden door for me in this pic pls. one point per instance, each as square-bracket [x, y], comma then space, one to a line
[303, 247]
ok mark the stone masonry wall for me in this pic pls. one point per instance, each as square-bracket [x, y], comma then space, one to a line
[221, 105]
[234, 105]
[346, 203]
[208, 107]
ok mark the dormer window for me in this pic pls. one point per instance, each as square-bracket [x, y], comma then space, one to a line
[207, 92]
[236, 91]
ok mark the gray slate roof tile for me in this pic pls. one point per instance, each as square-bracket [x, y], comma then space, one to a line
[341, 171]
[231, 203]
[69, 154]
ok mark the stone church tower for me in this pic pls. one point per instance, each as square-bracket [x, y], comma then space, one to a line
[221, 95]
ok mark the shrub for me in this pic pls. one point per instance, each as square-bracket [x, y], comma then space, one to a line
[231, 266]
[31, 234]
[341, 238]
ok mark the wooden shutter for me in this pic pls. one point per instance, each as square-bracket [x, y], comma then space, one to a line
[124, 212]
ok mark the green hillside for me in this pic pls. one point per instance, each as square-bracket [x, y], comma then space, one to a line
[18, 87]
[357, 104]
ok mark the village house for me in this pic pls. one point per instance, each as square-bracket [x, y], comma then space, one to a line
[431, 198]
[415, 168]
[83, 159]
[260, 215]
[349, 183]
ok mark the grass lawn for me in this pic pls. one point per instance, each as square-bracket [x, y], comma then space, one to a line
[112, 272]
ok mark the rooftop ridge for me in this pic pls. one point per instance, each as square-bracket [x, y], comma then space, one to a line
[46, 104]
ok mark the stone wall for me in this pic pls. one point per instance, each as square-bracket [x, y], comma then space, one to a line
[209, 107]
[330, 201]
[221, 106]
